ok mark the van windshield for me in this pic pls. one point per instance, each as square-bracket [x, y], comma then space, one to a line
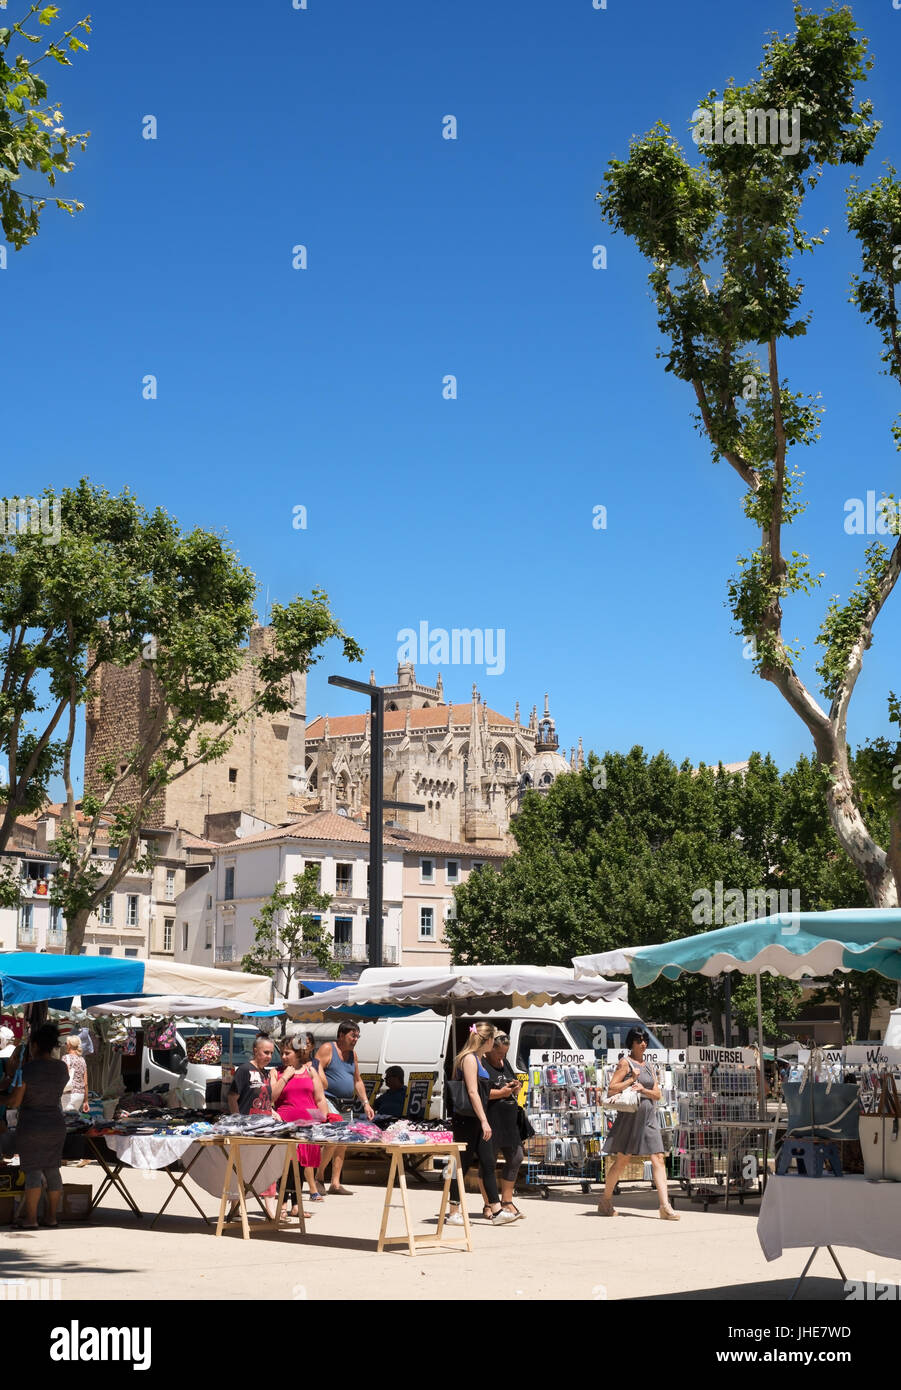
[244, 1041]
[597, 1034]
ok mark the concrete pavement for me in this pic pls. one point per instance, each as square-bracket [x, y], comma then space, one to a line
[561, 1250]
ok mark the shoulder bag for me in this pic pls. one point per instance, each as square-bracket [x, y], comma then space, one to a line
[625, 1101]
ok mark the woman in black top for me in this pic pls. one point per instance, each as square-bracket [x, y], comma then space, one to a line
[502, 1117]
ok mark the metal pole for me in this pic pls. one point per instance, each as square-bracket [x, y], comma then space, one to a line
[727, 994]
[376, 794]
[761, 1084]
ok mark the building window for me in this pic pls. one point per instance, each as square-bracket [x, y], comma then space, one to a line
[453, 871]
[131, 913]
[427, 924]
[344, 927]
[426, 871]
[170, 885]
[476, 865]
[343, 878]
[112, 852]
[105, 910]
[229, 884]
[209, 901]
[209, 937]
[315, 864]
[450, 910]
[131, 950]
[104, 950]
[57, 927]
[232, 775]
[167, 934]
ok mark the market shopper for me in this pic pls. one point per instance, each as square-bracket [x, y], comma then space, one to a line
[251, 1091]
[41, 1131]
[503, 1117]
[636, 1133]
[297, 1094]
[75, 1096]
[473, 1130]
[339, 1072]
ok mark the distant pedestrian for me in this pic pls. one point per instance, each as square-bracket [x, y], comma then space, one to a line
[41, 1131]
[473, 1129]
[502, 1111]
[75, 1096]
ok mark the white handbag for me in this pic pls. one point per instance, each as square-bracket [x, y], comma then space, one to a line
[627, 1101]
[880, 1135]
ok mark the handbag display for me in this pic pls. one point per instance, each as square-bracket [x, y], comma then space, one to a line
[204, 1048]
[159, 1034]
[880, 1139]
[821, 1109]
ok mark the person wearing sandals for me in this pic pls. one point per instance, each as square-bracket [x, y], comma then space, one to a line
[636, 1133]
[41, 1131]
[297, 1094]
[474, 1130]
[501, 1111]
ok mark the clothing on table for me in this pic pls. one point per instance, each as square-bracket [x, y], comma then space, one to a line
[41, 1132]
[637, 1132]
[339, 1079]
[253, 1089]
[391, 1102]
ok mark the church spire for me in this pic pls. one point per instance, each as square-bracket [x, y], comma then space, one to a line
[547, 741]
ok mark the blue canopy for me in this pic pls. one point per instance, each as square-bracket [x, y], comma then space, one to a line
[27, 977]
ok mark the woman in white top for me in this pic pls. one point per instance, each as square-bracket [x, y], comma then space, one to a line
[75, 1096]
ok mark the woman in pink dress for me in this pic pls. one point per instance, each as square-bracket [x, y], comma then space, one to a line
[297, 1094]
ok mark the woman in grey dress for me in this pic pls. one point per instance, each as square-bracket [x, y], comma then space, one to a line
[41, 1131]
[636, 1133]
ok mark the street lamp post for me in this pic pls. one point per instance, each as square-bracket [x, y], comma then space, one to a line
[377, 805]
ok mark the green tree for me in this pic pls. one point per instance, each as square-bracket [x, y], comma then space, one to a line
[129, 587]
[32, 133]
[721, 239]
[288, 935]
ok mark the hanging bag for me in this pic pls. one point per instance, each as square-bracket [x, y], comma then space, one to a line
[627, 1101]
[204, 1048]
[826, 1110]
[880, 1139]
[160, 1034]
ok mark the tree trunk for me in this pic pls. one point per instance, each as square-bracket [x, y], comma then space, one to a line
[873, 864]
[75, 930]
[865, 1004]
[847, 1011]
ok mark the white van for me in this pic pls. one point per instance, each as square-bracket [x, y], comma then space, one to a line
[422, 1042]
[195, 1084]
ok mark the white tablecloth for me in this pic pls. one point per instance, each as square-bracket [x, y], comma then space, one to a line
[207, 1170]
[801, 1212]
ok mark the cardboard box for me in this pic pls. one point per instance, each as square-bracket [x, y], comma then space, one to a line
[76, 1203]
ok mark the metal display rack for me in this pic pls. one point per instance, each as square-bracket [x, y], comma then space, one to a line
[718, 1131]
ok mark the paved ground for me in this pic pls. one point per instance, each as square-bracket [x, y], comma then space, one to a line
[561, 1250]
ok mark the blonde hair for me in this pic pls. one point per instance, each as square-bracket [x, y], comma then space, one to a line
[73, 1043]
[478, 1035]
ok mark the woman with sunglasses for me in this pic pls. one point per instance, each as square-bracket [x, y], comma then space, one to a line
[636, 1133]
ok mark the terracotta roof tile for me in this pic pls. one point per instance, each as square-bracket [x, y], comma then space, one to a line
[435, 717]
[326, 825]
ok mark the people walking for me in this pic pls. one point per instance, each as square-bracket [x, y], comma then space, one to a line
[470, 1124]
[636, 1133]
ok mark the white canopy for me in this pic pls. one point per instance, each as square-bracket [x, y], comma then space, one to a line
[185, 1006]
[507, 987]
[179, 977]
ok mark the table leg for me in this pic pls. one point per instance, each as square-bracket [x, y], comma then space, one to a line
[386, 1211]
[282, 1184]
[804, 1271]
[242, 1202]
[112, 1179]
[461, 1193]
[179, 1182]
[251, 1184]
[298, 1188]
[225, 1202]
[402, 1182]
[837, 1265]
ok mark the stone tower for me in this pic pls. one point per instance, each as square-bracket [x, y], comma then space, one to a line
[257, 775]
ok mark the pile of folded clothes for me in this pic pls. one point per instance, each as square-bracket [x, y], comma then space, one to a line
[408, 1132]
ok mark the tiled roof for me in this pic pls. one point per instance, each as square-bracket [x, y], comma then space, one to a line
[427, 844]
[326, 825]
[435, 717]
[191, 841]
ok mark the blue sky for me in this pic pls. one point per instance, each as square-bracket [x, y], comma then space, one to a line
[427, 257]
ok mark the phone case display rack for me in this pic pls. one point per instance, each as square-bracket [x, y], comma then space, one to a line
[710, 1097]
[564, 1106]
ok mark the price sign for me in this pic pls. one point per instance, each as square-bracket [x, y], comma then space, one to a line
[419, 1094]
